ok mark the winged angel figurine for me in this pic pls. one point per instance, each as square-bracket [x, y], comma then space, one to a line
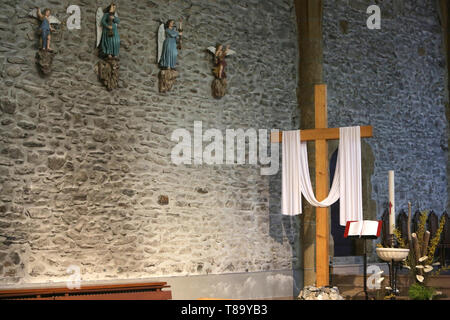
[108, 41]
[167, 53]
[44, 57]
[219, 84]
[107, 34]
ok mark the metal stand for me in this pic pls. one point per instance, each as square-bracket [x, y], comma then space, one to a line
[364, 239]
[365, 271]
[393, 266]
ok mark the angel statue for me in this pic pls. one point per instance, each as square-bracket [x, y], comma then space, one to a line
[167, 44]
[108, 41]
[219, 84]
[167, 53]
[44, 57]
[107, 35]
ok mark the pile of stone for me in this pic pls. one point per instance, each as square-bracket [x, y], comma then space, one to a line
[322, 293]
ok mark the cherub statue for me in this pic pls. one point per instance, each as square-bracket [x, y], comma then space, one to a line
[44, 56]
[45, 29]
[219, 59]
[219, 84]
[107, 34]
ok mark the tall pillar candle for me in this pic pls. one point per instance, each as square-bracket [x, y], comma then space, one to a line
[391, 202]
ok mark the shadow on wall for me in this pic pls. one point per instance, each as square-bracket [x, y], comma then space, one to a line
[351, 247]
[282, 227]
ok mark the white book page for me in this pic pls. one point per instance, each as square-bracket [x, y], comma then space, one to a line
[370, 228]
[355, 228]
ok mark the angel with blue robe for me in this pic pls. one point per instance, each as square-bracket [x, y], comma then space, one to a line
[167, 45]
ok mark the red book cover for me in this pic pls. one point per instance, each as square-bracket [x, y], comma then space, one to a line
[380, 224]
[347, 227]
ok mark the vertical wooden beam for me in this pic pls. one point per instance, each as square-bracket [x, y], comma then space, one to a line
[322, 225]
[309, 24]
[310, 72]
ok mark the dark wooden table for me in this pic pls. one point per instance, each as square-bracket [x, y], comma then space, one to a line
[129, 291]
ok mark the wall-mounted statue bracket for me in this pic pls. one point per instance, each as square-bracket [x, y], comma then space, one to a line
[108, 72]
[167, 79]
[44, 61]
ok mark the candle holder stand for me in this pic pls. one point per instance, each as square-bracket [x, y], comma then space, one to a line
[393, 267]
[393, 256]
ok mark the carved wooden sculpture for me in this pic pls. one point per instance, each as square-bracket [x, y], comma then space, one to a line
[108, 42]
[168, 53]
[219, 84]
[44, 57]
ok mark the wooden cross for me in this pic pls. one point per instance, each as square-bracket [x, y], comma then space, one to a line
[320, 135]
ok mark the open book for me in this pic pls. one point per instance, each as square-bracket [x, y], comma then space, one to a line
[366, 228]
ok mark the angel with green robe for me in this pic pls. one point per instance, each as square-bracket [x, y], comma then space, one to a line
[107, 34]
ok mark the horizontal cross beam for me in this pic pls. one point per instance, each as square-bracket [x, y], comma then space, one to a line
[321, 134]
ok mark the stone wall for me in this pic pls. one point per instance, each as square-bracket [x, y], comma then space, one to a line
[393, 79]
[84, 171]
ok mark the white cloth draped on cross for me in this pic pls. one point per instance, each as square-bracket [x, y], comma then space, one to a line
[346, 186]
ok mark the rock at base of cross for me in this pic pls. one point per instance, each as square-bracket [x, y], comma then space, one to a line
[167, 79]
[219, 88]
[108, 72]
[322, 293]
[44, 60]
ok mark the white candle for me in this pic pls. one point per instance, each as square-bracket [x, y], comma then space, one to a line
[391, 202]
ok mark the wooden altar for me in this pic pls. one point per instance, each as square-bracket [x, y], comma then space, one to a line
[130, 291]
